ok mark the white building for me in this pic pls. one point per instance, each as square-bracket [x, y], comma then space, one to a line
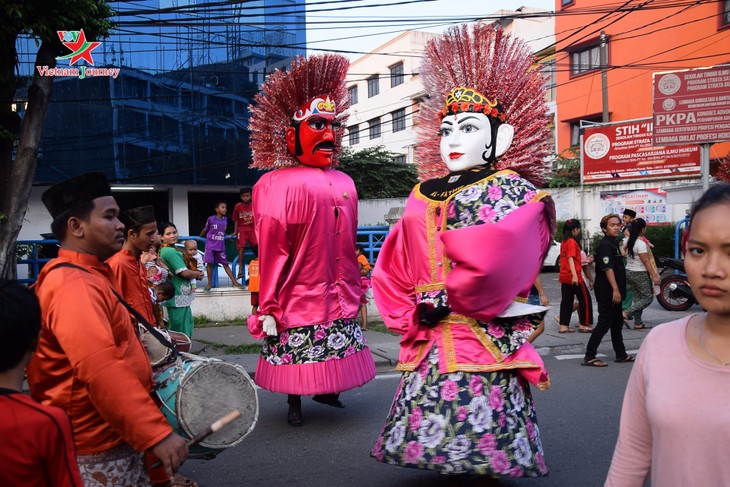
[385, 86]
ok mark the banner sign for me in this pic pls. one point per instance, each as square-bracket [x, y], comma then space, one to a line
[692, 106]
[649, 204]
[624, 151]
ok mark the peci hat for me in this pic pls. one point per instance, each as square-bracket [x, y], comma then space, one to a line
[630, 213]
[75, 191]
[138, 216]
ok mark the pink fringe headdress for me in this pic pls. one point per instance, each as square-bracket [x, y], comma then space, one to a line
[499, 67]
[283, 93]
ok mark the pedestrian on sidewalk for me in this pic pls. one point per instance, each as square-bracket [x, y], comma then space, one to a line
[641, 273]
[243, 227]
[214, 232]
[610, 288]
[178, 308]
[572, 284]
[365, 269]
[675, 419]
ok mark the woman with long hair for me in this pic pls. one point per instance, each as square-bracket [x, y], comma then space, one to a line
[675, 421]
[571, 280]
[640, 272]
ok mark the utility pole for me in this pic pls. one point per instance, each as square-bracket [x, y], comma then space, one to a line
[604, 75]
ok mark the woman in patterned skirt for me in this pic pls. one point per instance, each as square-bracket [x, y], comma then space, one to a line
[453, 274]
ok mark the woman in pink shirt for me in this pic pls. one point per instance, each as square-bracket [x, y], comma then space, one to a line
[675, 420]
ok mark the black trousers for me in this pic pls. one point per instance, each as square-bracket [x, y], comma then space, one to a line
[610, 317]
[585, 306]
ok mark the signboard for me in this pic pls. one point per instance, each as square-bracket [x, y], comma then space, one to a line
[692, 107]
[649, 204]
[624, 151]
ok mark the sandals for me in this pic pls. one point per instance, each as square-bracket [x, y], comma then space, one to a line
[585, 329]
[628, 358]
[641, 326]
[594, 362]
[567, 330]
[179, 481]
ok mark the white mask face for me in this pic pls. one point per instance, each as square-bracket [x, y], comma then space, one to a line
[466, 140]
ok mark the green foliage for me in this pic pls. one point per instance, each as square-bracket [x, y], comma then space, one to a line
[42, 19]
[376, 175]
[566, 169]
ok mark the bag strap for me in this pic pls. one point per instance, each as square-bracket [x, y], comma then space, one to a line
[151, 329]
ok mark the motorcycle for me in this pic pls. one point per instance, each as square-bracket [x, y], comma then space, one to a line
[675, 293]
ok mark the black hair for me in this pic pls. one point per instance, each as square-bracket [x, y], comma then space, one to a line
[59, 226]
[635, 228]
[164, 225]
[20, 322]
[360, 248]
[244, 190]
[165, 287]
[568, 228]
[220, 202]
[719, 193]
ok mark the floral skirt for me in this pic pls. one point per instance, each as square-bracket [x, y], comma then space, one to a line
[119, 467]
[319, 359]
[478, 423]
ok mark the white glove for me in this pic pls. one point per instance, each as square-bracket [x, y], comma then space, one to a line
[269, 325]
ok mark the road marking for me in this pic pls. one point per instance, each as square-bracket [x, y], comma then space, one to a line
[580, 356]
[389, 375]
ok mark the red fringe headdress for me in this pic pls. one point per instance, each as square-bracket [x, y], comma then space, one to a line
[500, 68]
[283, 93]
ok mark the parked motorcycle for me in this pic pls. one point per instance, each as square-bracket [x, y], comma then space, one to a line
[675, 293]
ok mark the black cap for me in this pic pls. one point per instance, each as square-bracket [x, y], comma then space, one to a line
[75, 191]
[138, 216]
[630, 213]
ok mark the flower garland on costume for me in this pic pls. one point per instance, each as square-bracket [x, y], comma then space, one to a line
[283, 94]
[486, 62]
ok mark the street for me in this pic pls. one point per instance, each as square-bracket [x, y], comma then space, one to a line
[578, 418]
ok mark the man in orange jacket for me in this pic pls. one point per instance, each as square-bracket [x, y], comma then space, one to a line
[90, 361]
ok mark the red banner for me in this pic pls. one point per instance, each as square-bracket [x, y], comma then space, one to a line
[624, 151]
[692, 107]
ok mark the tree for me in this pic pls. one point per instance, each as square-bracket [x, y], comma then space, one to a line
[566, 169]
[19, 139]
[376, 174]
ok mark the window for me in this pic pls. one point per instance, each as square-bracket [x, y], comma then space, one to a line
[399, 159]
[396, 75]
[575, 129]
[585, 60]
[374, 128]
[373, 86]
[566, 3]
[725, 14]
[353, 134]
[399, 120]
[352, 91]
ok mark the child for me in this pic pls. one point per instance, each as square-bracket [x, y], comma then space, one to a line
[192, 258]
[215, 245]
[161, 292]
[253, 282]
[38, 447]
[243, 227]
[365, 269]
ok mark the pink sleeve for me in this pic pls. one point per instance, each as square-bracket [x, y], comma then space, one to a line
[632, 457]
[273, 257]
[494, 263]
[393, 287]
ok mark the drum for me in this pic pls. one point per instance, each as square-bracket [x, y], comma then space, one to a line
[158, 353]
[196, 391]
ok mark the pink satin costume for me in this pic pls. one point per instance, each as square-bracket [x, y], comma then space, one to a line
[306, 222]
[479, 268]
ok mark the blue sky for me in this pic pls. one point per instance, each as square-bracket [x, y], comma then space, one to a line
[374, 22]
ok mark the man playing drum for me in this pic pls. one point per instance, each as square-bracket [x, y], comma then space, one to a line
[89, 361]
[305, 215]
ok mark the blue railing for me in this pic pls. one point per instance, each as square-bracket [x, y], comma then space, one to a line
[371, 239]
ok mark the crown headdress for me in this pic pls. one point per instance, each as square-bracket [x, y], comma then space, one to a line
[469, 70]
[319, 80]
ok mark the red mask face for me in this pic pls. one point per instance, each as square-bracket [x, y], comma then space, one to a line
[313, 141]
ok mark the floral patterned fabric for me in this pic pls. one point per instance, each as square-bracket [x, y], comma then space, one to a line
[118, 467]
[488, 201]
[318, 343]
[480, 423]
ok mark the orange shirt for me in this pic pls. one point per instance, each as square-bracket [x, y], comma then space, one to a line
[90, 361]
[253, 276]
[363, 261]
[133, 281]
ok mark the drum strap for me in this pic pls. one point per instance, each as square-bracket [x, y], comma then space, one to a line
[151, 329]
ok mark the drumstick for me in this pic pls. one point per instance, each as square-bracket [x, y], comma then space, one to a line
[216, 426]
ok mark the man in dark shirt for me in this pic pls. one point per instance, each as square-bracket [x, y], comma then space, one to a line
[610, 289]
